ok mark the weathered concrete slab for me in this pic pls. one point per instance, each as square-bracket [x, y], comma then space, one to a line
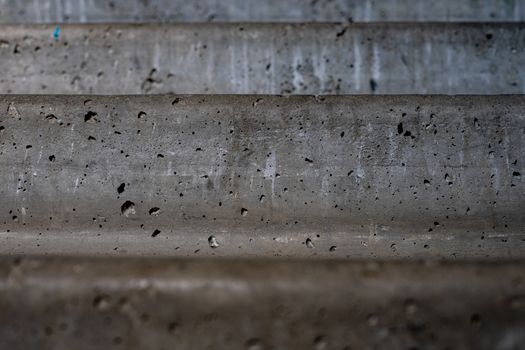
[31, 11]
[264, 59]
[400, 176]
[93, 304]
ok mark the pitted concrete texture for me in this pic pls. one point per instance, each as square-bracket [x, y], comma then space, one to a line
[199, 304]
[32, 11]
[399, 176]
[263, 59]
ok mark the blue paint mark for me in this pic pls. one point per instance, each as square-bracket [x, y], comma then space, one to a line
[56, 33]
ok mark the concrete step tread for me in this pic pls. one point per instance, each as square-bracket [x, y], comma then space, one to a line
[380, 58]
[256, 10]
[57, 303]
[341, 176]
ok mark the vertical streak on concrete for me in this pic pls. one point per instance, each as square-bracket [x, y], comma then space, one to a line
[428, 62]
[249, 9]
[462, 62]
[67, 9]
[40, 154]
[271, 169]
[392, 150]
[37, 11]
[319, 66]
[461, 156]
[233, 70]
[448, 63]
[10, 182]
[417, 74]
[421, 10]
[82, 11]
[360, 173]
[368, 10]
[48, 11]
[298, 80]
[59, 12]
[170, 168]
[324, 54]
[325, 188]
[20, 181]
[273, 89]
[210, 65]
[376, 65]
[357, 64]
[156, 58]
[77, 181]
[246, 73]
[506, 145]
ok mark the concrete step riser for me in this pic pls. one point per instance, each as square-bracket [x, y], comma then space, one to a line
[137, 304]
[264, 59]
[30, 11]
[369, 176]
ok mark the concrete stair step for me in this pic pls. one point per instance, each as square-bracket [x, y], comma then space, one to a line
[347, 176]
[380, 58]
[202, 304]
[30, 11]
[313, 222]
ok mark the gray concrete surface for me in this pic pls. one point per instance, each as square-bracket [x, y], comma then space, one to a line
[264, 59]
[40, 11]
[358, 177]
[201, 304]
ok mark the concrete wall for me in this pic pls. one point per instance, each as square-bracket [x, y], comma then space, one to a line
[264, 59]
[33, 11]
[399, 176]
